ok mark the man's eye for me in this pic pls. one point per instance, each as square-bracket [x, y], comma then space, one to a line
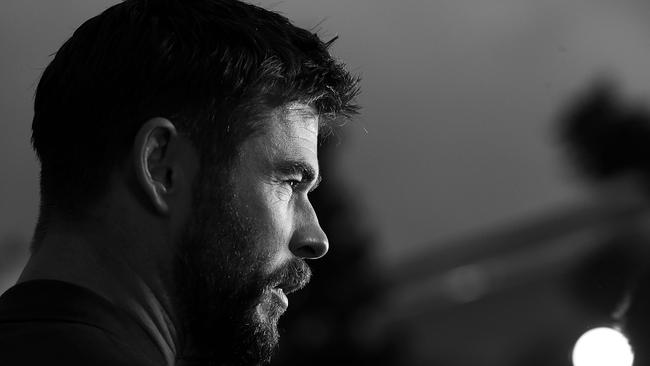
[294, 183]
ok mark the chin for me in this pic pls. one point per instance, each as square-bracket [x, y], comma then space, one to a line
[268, 311]
[267, 314]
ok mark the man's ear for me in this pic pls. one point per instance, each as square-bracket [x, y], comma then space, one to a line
[155, 161]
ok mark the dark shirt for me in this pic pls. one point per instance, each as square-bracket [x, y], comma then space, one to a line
[46, 322]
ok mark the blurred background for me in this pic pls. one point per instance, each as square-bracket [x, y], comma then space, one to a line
[474, 217]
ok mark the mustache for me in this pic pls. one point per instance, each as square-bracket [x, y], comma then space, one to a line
[291, 277]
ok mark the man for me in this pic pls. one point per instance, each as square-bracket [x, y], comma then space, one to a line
[178, 146]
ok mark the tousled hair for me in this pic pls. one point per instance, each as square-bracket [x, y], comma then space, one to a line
[215, 68]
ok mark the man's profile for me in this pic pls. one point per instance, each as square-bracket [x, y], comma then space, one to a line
[178, 145]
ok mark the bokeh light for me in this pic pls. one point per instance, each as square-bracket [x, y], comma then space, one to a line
[602, 347]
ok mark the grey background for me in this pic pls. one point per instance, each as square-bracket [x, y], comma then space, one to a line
[459, 98]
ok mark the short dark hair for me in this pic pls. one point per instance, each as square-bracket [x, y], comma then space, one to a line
[213, 67]
[606, 136]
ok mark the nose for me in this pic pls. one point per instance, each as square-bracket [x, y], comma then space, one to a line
[309, 240]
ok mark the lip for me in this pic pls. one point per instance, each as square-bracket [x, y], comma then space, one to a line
[288, 288]
[280, 297]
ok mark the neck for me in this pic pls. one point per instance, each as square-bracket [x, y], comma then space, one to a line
[96, 257]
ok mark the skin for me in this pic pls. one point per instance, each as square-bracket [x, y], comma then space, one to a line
[277, 170]
[126, 247]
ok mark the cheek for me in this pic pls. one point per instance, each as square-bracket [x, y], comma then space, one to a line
[272, 219]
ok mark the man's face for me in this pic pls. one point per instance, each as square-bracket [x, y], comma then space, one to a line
[244, 247]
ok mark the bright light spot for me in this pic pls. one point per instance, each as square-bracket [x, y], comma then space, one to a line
[602, 347]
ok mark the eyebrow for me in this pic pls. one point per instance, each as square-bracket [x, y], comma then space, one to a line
[300, 168]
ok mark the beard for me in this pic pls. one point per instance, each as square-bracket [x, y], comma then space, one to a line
[228, 310]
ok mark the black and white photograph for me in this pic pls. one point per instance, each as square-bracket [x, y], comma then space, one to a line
[326, 183]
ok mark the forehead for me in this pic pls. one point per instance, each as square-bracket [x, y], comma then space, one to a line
[295, 122]
[296, 116]
[290, 132]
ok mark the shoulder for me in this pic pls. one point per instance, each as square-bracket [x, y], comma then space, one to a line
[63, 343]
[45, 322]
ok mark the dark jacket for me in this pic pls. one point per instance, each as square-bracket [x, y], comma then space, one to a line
[46, 322]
